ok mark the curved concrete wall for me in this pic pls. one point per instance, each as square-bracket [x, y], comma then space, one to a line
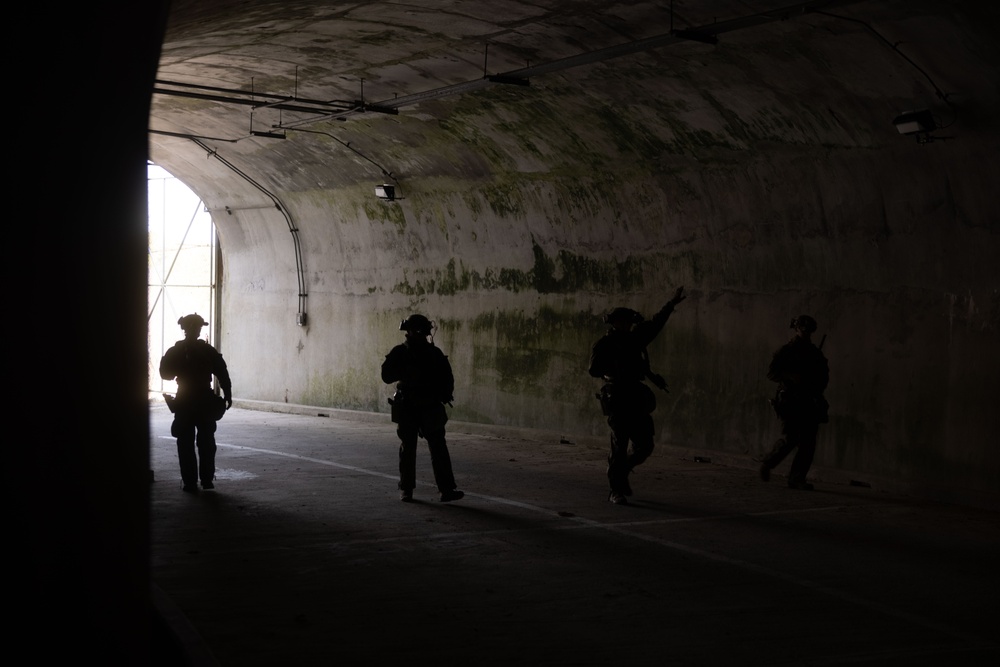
[766, 177]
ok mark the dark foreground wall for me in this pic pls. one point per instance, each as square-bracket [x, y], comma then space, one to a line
[76, 480]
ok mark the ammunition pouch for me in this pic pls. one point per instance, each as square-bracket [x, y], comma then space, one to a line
[785, 404]
[634, 397]
[604, 396]
[199, 406]
[433, 418]
[429, 415]
[396, 407]
[217, 408]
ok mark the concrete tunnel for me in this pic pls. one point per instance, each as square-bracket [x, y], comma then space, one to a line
[550, 161]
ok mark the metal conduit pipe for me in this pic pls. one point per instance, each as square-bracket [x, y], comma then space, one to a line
[301, 316]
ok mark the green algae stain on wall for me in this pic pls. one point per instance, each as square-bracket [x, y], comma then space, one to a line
[533, 128]
[469, 135]
[410, 289]
[580, 273]
[521, 370]
[734, 124]
[525, 355]
[450, 281]
[566, 273]
[474, 205]
[445, 282]
[580, 200]
[505, 200]
[688, 140]
[628, 138]
[516, 326]
[342, 390]
[384, 212]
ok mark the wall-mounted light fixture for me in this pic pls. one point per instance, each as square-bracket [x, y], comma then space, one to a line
[916, 123]
[385, 191]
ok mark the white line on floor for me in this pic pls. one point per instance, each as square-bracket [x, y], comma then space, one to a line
[620, 528]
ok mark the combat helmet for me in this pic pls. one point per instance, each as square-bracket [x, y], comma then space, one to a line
[623, 314]
[417, 324]
[192, 320]
[804, 323]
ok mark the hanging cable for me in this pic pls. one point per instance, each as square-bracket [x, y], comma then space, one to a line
[895, 47]
[347, 145]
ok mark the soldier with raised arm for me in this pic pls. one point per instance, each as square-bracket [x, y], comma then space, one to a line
[620, 359]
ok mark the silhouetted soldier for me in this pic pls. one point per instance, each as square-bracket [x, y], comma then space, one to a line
[621, 359]
[193, 362]
[802, 373]
[424, 384]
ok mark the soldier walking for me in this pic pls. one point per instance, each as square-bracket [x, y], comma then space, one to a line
[802, 374]
[196, 408]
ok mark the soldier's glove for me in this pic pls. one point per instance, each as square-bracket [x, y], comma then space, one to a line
[658, 381]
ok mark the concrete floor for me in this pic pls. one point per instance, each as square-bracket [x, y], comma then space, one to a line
[303, 555]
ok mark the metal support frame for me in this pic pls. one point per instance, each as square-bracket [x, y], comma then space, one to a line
[165, 273]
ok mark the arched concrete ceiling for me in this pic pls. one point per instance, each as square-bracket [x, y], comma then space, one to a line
[633, 78]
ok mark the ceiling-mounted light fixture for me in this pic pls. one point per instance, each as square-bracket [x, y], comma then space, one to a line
[916, 123]
[385, 191]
